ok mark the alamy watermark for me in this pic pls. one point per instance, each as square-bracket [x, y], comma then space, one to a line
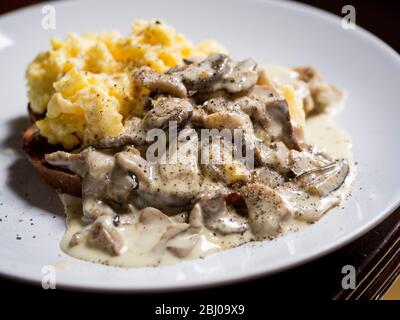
[349, 20]
[207, 146]
[349, 280]
[48, 21]
[48, 277]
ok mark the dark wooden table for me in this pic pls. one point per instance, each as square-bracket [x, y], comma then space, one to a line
[376, 255]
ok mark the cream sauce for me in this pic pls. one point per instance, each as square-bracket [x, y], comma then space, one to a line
[143, 245]
[143, 248]
[323, 132]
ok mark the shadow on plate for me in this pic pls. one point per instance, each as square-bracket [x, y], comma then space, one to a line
[22, 178]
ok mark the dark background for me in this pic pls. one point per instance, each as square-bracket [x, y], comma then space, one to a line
[379, 17]
[319, 280]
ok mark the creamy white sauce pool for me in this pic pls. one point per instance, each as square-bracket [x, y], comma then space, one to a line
[143, 247]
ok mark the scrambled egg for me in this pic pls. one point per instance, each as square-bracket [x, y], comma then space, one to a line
[295, 104]
[84, 84]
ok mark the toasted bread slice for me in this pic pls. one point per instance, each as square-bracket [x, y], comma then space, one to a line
[35, 146]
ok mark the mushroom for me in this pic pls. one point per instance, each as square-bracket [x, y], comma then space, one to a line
[153, 216]
[227, 120]
[170, 186]
[182, 244]
[62, 158]
[133, 134]
[243, 76]
[118, 141]
[306, 160]
[131, 161]
[266, 209]
[172, 229]
[196, 217]
[305, 206]
[93, 208]
[271, 111]
[263, 154]
[217, 217]
[201, 76]
[74, 162]
[218, 72]
[121, 184]
[80, 236]
[267, 176]
[324, 180]
[161, 82]
[165, 110]
[310, 194]
[172, 234]
[219, 104]
[104, 234]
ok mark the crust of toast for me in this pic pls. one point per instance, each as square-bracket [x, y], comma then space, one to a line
[35, 148]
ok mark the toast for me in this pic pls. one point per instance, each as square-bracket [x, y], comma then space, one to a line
[35, 147]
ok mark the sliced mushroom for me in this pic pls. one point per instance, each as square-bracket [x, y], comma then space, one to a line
[305, 206]
[134, 134]
[266, 209]
[201, 76]
[324, 180]
[107, 185]
[243, 76]
[99, 163]
[167, 230]
[201, 97]
[74, 162]
[172, 229]
[80, 236]
[219, 104]
[93, 208]
[170, 187]
[306, 160]
[122, 183]
[272, 112]
[118, 141]
[182, 244]
[153, 216]
[267, 176]
[263, 154]
[227, 120]
[62, 158]
[196, 216]
[220, 113]
[218, 72]
[161, 83]
[166, 110]
[131, 160]
[279, 158]
[104, 234]
[217, 216]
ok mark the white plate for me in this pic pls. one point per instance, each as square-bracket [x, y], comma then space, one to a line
[273, 32]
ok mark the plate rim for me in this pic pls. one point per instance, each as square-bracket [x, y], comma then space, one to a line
[313, 254]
